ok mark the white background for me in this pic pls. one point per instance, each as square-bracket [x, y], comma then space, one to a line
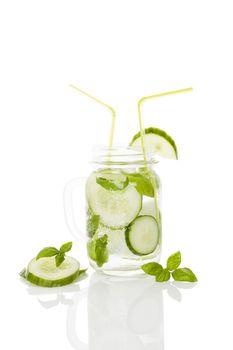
[117, 51]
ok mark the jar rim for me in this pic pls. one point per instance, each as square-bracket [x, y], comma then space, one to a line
[120, 156]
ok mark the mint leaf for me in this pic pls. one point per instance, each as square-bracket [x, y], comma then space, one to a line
[66, 247]
[112, 185]
[174, 261]
[59, 258]
[143, 184]
[47, 252]
[152, 268]
[92, 224]
[184, 274]
[163, 276]
[97, 250]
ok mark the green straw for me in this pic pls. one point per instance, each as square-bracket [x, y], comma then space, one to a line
[105, 105]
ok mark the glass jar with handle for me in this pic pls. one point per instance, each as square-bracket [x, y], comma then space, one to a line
[123, 211]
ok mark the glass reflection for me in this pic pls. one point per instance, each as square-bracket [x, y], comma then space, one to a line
[122, 314]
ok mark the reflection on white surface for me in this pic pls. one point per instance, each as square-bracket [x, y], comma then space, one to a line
[122, 314]
[50, 297]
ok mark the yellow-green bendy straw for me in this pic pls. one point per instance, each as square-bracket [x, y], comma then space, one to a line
[105, 105]
[142, 132]
[148, 98]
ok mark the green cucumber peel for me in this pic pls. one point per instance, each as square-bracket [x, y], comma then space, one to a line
[130, 229]
[52, 251]
[97, 250]
[161, 274]
[48, 272]
[160, 132]
[48, 283]
[55, 283]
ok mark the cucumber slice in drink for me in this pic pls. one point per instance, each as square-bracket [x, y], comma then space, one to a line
[156, 141]
[142, 235]
[44, 273]
[115, 208]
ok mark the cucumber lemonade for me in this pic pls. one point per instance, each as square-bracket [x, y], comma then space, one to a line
[122, 220]
[123, 210]
[123, 198]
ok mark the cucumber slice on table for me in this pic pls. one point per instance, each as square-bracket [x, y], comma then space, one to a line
[156, 141]
[116, 208]
[142, 235]
[44, 273]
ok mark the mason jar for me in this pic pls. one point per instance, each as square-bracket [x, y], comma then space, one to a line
[123, 211]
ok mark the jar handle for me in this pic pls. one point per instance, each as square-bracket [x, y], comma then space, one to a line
[71, 321]
[74, 207]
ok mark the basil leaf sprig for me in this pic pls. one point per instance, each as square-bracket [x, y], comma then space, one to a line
[111, 184]
[152, 268]
[52, 251]
[184, 274]
[174, 261]
[163, 274]
[97, 250]
[142, 183]
[92, 223]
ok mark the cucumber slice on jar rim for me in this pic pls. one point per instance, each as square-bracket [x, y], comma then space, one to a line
[44, 273]
[157, 141]
[116, 208]
[142, 235]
